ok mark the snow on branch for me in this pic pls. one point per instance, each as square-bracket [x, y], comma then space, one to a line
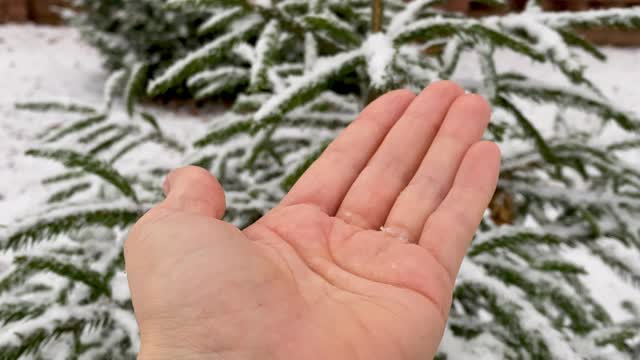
[266, 48]
[135, 85]
[333, 29]
[410, 13]
[220, 20]
[59, 105]
[621, 18]
[308, 86]
[379, 51]
[214, 82]
[114, 85]
[530, 319]
[442, 28]
[573, 97]
[546, 40]
[91, 165]
[69, 218]
[207, 4]
[205, 56]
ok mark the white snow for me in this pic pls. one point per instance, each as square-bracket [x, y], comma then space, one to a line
[408, 14]
[207, 76]
[220, 16]
[263, 46]
[531, 319]
[562, 19]
[113, 84]
[379, 51]
[324, 67]
[310, 51]
[263, 3]
[547, 40]
[238, 28]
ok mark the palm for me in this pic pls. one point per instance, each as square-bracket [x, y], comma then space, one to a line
[356, 290]
[317, 277]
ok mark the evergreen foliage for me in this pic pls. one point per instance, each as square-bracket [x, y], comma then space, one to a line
[64, 291]
[299, 71]
[126, 32]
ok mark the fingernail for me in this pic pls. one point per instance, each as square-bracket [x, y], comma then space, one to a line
[166, 186]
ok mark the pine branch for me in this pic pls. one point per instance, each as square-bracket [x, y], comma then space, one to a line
[12, 312]
[207, 4]
[540, 92]
[92, 279]
[475, 296]
[32, 341]
[69, 192]
[89, 164]
[93, 135]
[266, 51]
[152, 121]
[56, 106]
[48, 227]
[114, 85]
[76, 127]
[573, 39]
[206, 56]
[63, 177]
[153, 137]
[221, 20]
[442, 28]
[290, 179]
[513, 237]
[334, 29]
[113, 140]
[617, 18]
[135, 85]
[527, 126]
[225, 132]
[309, 86]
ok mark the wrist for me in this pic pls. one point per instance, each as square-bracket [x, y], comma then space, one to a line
[149, 352]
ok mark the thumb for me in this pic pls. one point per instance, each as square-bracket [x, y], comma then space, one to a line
[194, 190]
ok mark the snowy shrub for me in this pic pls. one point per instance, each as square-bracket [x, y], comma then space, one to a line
[126, 32]
[300, 72]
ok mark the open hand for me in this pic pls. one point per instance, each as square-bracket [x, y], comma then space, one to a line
[357, 262]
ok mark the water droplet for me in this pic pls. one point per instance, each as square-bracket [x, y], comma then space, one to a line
[402, 234]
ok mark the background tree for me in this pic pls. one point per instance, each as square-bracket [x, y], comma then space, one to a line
[298, 72]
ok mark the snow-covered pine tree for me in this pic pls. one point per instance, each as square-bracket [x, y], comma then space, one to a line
[126, 32]
[69, 298]
[301, 70]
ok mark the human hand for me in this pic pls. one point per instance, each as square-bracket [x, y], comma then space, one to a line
[316, 277]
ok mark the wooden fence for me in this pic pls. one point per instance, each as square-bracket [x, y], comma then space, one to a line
[40, 11]
[551, 5]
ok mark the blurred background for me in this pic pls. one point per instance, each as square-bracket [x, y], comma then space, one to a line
[125, 89]
[44, 12]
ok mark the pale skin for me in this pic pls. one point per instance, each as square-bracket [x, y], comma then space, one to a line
[316, 277]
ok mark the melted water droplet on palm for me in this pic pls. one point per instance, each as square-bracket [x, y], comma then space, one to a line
[398, 233]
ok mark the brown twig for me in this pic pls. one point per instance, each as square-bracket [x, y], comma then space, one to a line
[377, 8]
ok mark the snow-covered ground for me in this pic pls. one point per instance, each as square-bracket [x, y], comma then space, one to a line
[42, 63]
[50, 63]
